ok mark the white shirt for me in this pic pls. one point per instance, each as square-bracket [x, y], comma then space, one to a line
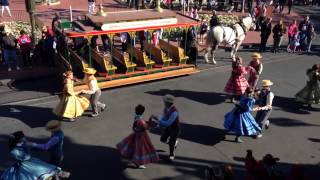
[93, 86]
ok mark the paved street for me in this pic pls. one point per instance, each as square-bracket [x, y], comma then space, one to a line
[90, 143]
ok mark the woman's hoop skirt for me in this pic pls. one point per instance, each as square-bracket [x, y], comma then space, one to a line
[137, 147]
[71, 106]
[28, 168]
[310, 94]
[236, 84]
[240, 120]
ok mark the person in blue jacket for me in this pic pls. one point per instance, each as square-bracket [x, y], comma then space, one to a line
[26, 167]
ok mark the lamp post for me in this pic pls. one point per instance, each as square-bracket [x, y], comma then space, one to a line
[158, 8]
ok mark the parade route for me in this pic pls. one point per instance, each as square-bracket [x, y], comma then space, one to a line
[90, 142]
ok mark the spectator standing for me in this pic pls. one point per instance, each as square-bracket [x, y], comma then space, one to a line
[266, 28]
[91, 6]
[292, 31]
[262, 13]
[193, 53]
[203, 28]
[55, 23]
[281, 5]
[25, 46]
[278, 31]
[290, 3]
[5, 5]
[304, 27]
[310, 36]
[50, 48]
[8, 44]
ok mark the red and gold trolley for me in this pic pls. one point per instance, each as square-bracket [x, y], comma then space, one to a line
[116, 68]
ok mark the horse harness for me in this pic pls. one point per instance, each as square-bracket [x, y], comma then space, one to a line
[236, 32]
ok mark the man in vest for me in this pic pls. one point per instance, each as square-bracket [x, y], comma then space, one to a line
[54, 145]
[169, 120]
[265, 98]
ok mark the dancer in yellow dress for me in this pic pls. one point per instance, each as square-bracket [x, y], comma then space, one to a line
[72, 105]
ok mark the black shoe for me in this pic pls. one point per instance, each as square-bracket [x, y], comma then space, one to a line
[94, 115]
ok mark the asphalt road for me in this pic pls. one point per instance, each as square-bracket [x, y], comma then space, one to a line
[90, 142]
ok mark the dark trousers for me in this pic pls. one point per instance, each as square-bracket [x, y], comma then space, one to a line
[56, 159]
[262, 117]
[172, 133]
[289, 8]
[263, 43]
[26, 58]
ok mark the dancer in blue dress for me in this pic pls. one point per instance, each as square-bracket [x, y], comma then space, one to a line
[240, 120]
[26, 167]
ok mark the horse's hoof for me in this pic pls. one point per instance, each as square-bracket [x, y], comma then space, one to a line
[214, 62]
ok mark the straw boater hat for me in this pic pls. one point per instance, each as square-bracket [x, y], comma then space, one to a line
[90, 71]
[266, 83]
[53, 125]
[256, 56]
[168, 98]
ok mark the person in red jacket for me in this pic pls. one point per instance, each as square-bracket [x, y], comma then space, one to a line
[25, 46]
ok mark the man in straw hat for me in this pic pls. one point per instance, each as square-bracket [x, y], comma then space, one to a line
[94, 91]
[265, 98]
[54, 145]
[255, 68]
[169, 120]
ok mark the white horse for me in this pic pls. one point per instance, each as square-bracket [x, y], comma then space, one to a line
[232, 36]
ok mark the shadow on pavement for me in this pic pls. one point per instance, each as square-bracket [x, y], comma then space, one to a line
[289, 104]
[287, 122]
[201, 134]
[314, 140]
[209, 98]
[83, 161]
[29, 115]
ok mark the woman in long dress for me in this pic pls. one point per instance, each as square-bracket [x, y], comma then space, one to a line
[240, 119]
[72, 105]
[237, 83]
[310, 94]
[26, 167]
[137, 147]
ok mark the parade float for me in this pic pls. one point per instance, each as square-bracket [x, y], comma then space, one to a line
[116, 68]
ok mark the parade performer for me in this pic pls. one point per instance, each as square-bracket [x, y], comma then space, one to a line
[26, 167]
[71, 105]
[214, 21]
[137, 147]
[236, 84]
[240, 120]
[54, 144]
[254, 68]
[310, 94]
[94, 91]
[265, 99]
[169, 120]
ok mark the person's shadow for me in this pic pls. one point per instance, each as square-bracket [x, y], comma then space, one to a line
[197, 133]
[209, 98]
[82, 161]
[31, 116]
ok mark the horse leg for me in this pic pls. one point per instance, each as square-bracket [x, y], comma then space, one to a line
[213, 52]
[234, 50]
[208, 49]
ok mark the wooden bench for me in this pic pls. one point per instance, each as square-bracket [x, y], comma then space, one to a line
[157, 54]
[75, 56]
[104, 61]
[175, 52]
[142, 59]
[124, 60]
